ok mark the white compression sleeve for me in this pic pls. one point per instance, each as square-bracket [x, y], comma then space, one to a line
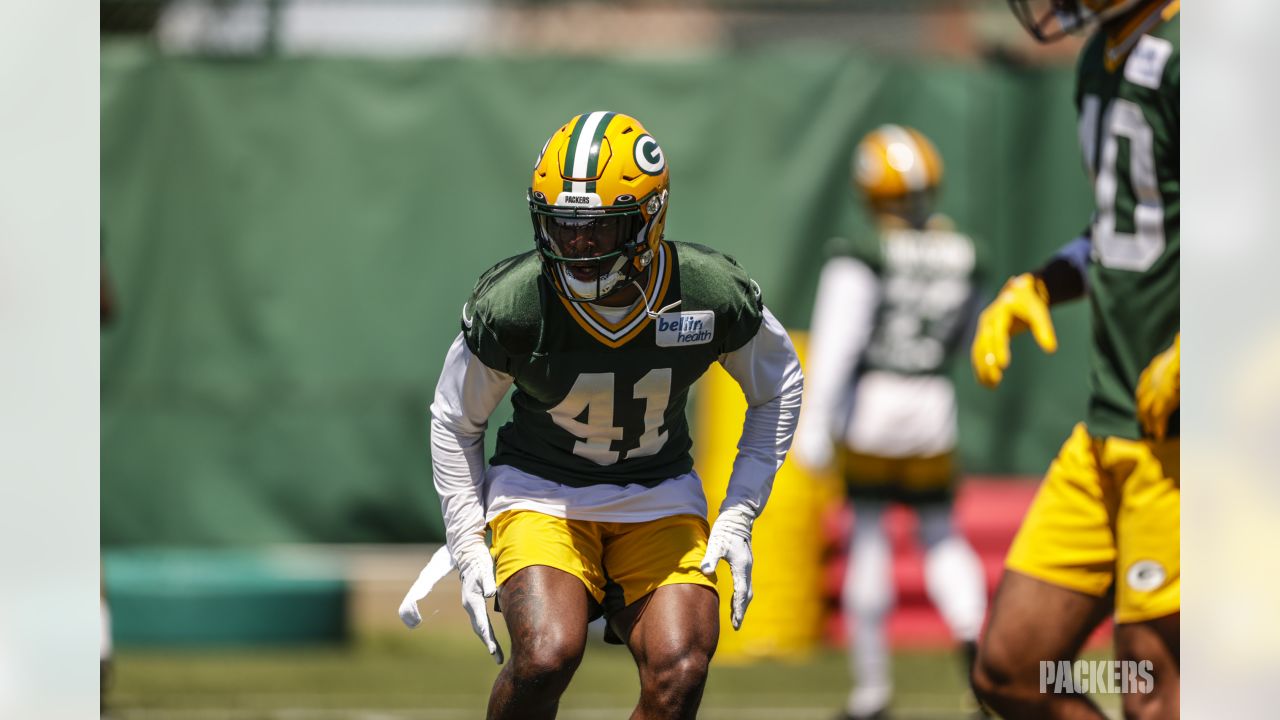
[466, 395]
[769, 372]
[841, 326]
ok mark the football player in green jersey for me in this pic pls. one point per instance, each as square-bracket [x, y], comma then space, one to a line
[892, 311]
[1102, 535]
[591, 496]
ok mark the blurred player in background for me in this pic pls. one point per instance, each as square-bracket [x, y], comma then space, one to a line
[890, 314]
[1102, 534]
[591, 495]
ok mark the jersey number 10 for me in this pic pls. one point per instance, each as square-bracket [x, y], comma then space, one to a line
[593, 392]
[1138, 250]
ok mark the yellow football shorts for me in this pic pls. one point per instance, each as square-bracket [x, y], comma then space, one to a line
[911, 480]
[632, 559]
[1107, 515]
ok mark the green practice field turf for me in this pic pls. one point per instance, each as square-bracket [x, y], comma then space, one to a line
[440, 671]
[399, 676]
[412, 675]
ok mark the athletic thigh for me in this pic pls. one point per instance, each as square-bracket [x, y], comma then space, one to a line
[1032, 620]
[546, 612]
[673, 622]
[1155, 645]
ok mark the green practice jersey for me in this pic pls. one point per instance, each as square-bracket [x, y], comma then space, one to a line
[1127, 96]
[599, 399]
[926, 298]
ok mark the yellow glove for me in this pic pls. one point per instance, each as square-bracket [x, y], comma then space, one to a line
[1159, 388]
[1023, 303]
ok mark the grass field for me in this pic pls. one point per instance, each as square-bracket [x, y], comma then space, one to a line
[409, 675]
[441, 672]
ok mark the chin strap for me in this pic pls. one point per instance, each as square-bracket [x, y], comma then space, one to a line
[653, 315]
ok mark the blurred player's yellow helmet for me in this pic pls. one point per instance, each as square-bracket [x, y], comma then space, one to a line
[1049, 20]
[898, 170]
[600, 174]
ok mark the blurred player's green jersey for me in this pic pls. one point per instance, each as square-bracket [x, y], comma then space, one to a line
[601, 400]
[1127, 96]
[926, 293]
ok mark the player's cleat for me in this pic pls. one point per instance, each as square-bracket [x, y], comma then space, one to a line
[868, 702]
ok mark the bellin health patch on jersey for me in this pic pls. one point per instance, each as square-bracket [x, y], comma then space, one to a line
[686, 328]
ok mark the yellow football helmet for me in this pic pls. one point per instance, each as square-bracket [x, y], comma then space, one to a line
[1049, 20]
[599, 204]
[898, 171]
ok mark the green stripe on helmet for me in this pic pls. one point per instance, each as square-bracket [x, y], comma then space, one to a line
[593, 159]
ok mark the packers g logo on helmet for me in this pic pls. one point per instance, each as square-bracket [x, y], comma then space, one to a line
[604, 176]
[898, 170]
[649, 156]
[1050, 20]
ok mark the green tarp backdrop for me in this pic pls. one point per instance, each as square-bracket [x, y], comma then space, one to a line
[291, 241]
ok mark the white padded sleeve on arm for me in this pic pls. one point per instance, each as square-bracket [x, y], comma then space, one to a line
[843, 315]
[769, 372]
[466, 395]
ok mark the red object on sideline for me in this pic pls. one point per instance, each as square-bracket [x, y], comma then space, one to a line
[988, 512]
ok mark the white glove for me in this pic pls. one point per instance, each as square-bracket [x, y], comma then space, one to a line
[478, 583]
[730, 540]
[475, 565]
[439, 566]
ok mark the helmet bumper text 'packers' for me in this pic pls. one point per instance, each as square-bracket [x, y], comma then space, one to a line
[898, 171]
[598, 201]
[1050, 20]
